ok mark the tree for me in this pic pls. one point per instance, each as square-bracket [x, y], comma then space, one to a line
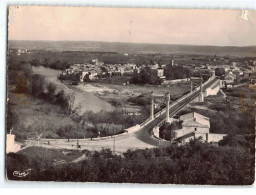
[70, 103]
[37, 85]
[22, 82]
[177, 72]
[143, 77]
[61, 99]
[51, 89]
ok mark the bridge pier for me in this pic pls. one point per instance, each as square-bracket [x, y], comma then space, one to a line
[191, 85]
[201, 97]
[167, 106]
[152, 105]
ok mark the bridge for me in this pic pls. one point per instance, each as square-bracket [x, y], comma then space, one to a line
[138, 136]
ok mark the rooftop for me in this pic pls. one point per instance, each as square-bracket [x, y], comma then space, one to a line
[194, 119]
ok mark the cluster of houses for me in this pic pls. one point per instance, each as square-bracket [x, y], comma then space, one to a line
[229, 73]
[19, 51]
[96, 70]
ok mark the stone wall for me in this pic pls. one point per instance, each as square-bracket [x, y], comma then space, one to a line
[166, 82]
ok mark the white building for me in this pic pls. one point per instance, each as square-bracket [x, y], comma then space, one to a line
[230, 78]
[11, 145]
[195, 125]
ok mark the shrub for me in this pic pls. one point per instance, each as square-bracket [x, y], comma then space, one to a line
[192, 163]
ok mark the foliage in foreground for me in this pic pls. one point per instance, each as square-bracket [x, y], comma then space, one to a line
[194, 163]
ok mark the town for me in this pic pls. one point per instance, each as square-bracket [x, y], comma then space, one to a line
[124, 95]
[230, 72]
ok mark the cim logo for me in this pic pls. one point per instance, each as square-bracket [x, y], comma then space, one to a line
[21, 174]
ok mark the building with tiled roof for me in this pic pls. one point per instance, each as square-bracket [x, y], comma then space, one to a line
[194, 125]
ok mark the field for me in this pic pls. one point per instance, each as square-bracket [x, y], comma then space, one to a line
[133, 48]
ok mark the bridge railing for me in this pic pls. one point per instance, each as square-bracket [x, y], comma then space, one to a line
[173, 103]
[160, 112]
[145, 122]
[183, 97]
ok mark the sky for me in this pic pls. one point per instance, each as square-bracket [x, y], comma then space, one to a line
[134, 25]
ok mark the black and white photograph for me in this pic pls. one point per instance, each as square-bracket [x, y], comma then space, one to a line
[130, 95]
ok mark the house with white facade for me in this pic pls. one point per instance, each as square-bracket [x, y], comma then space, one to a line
[230, 78]
[195, 126]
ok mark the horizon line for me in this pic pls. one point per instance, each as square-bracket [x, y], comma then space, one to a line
[131, 43]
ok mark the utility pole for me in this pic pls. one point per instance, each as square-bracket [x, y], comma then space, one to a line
[201, 91]
[152, 105]
[167, 106]
[191, 84]
[77, 141]
[77, 135]
[114, 144]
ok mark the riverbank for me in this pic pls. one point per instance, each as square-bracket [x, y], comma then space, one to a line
[98, 96]
[87, 99]
[119, 95]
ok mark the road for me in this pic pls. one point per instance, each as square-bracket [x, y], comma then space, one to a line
[140, 139]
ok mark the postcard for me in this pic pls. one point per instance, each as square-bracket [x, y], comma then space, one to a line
[131, 95]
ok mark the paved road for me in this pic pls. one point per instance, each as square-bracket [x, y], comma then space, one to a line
[140, 139]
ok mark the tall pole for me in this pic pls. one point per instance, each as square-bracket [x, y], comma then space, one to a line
[167, 106]
[201, 85]
[152, 105]
[77, 141]
[114, 145]
[201, 91]
[191, 85]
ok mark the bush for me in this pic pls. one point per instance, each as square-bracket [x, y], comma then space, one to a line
[167, 130]
[139, 100]
[193, 163]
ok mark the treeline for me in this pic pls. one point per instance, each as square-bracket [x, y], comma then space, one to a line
[87, 125]
[177, 72]
[193, 163]
[36, 86]
[145, 76]
[20, 75]
[148, 76]
[21, 79]
[56, 64]
[139, 100]
[104, 123]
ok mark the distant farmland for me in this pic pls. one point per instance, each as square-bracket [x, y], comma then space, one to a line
[134, 48]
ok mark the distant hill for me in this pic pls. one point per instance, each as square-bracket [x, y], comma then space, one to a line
[134, 47]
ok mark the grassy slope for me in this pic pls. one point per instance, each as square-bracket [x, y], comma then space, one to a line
[36, 116]
[39, 158]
